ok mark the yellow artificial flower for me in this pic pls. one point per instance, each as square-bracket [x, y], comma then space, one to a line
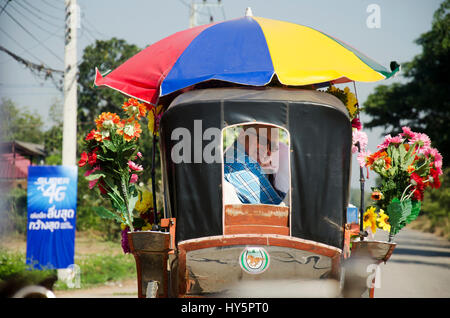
[144, 202]
[147, 227]
[152, 115]
[351, 102]
[382, 221]
[370, 219]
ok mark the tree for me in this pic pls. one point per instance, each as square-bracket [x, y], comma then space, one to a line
[436, 205]
[423, 103]
[92, 101]
[53, 136]
[17, 124]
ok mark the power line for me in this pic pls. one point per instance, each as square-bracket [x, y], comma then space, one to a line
[38, 17]
[30, 64]
[25, 50]
[93, 28]
[43, 12]
[4, 7]
[18, 43]
[32, 35]
[189, 6]
[22, 85]
[36, 69]
[52, 6]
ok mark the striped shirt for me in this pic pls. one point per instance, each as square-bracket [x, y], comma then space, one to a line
[248, 178]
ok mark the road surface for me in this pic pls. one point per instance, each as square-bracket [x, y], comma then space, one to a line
[418, 268]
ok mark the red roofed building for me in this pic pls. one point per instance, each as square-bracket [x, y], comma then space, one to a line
[15, 158]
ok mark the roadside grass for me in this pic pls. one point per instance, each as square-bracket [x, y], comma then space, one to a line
[100, 269]
[425, 224]
[100, 262]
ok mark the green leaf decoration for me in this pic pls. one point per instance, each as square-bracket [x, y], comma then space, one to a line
[395, 155]
[408, 158]
[103, 158]
[94, 176]
[398, 212]
[414, 211]
[131, 203]
[117, 202]
[106, 214]
[138, 223]
[109, 145]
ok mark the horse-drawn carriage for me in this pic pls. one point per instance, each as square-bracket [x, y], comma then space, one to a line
[211, 237]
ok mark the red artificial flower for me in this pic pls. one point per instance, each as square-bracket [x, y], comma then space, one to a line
[419, 186]
[83, 160]
[101, 186]
[416, 179]
[356, 123]
[418, 194]
[91, 135]
[435, 183]
[92, 158]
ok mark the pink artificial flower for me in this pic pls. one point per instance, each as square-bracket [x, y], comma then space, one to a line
[139, 154]
[134, 178]
[92, 183]
[407, 132]
[362, 157]
[390, 140]
[422, 138]
[134, 166]
[434, 153]
[361, 137]
[89, 172]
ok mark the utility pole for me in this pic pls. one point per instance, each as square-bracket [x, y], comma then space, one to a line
[69, 148]
[196, 8]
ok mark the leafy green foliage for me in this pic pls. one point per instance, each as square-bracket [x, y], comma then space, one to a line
[19, 124]
[106, 56]
[99, 269]
[15, 220]
[12, 266]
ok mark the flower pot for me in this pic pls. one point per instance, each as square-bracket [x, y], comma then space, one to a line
[151, 251]
[376, 251]
[361, 268]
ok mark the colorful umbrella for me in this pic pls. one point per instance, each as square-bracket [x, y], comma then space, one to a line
[248, 50]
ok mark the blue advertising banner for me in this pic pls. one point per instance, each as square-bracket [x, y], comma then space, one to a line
[52, 205]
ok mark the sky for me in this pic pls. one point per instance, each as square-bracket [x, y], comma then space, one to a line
[34, 30]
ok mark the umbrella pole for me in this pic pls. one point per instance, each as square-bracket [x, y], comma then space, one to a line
[362, 180]
[361, 214]
[155, 208]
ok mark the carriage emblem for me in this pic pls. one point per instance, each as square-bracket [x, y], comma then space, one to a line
[254, 260]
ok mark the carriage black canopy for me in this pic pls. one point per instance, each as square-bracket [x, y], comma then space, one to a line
[320, 155]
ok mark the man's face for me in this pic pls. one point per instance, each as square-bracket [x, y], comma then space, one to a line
[261, 143]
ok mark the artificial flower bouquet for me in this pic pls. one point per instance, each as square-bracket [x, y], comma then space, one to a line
[406, 164]
[112, 159]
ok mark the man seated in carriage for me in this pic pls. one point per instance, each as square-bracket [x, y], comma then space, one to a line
[252, 170]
